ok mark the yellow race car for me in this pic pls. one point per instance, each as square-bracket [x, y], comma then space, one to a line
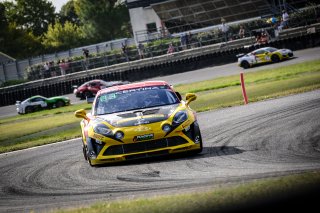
[263, 55]
[138, 120]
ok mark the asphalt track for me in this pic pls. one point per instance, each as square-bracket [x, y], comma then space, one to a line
[263, 139]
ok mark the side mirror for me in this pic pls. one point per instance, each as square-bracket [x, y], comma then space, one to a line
[190, 97]
[81, 113]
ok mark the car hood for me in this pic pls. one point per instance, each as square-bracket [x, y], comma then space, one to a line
[138, 117]
[283, 50]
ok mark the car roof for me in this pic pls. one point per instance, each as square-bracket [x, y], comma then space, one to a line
[95, 80]
[264, 48]
[133, 86]
[36, 96]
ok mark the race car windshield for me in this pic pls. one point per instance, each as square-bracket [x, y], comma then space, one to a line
[271, 49]
[132, 99]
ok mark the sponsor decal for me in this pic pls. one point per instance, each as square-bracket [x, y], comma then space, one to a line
[197, 139]
[143, 137]
[186, 124]
[97, 136]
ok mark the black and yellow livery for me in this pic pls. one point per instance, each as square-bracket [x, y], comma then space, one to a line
[262, 56]
[137, 121]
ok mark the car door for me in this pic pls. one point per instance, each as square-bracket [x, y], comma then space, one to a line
[38, 101]
[94, 87]
[262, 56]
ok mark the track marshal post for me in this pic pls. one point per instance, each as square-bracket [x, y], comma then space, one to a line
[244, 94]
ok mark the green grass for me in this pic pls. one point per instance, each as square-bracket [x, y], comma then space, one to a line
[218, 199]
[45, 113]
[232, 96]
[269, 75]
[49, 126]
[39, 128]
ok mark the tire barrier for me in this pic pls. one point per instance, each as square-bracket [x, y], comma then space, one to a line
[10, 95]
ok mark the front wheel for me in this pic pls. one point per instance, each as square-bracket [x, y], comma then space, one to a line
[245, 64]
[87, 94]
[201, 146]
[59, 104]
[84, 150]
[28, 109]
[275, 58]
[86, 155]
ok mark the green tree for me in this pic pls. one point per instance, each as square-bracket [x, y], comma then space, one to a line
[15, 42]
[63, 36]
[31, 15]
[103, 19]
[68, 13]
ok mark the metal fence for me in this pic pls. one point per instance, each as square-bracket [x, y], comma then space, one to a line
[155, 44]
[149, 50]
[17, 70]
[187, 60]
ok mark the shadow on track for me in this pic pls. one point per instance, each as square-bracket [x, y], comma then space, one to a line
[207, 152]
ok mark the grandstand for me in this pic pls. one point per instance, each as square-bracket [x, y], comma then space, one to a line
[174, 16]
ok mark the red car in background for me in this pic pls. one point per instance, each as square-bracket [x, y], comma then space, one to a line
[90, 88]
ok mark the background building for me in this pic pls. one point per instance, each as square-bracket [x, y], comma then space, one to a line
[174, 16]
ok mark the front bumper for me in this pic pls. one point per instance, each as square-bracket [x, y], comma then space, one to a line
[19, 109]
[102, 159]
[182, 141]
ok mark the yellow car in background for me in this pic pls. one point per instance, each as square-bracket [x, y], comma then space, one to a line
[263, 55]
[138, 120]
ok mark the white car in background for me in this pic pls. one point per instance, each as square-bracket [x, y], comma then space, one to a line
[36, 103]
[263, 55]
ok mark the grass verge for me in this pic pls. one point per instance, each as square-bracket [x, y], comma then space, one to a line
[39, 128]
[264, 195]
[60, 124]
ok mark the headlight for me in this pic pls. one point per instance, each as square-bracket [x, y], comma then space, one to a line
[166, 128]
[180, 117]
[102, 130]
[119, 135]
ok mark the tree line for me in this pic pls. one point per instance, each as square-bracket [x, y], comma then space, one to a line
[32, 27]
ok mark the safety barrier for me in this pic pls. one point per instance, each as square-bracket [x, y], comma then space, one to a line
[165, 65]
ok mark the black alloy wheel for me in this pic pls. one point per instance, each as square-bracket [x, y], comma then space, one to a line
[28, 109]
[59, 104]
[275, 58]
[245, 64]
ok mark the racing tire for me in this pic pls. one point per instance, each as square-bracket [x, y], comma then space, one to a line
[85, 154]
[87, 94]
[201, 147]
[198, 137]
[28, 109]
[59, 104]
[84, 150]
[245, 65]
[275, 58]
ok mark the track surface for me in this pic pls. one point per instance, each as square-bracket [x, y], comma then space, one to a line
[203, 74]
[259, 140]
